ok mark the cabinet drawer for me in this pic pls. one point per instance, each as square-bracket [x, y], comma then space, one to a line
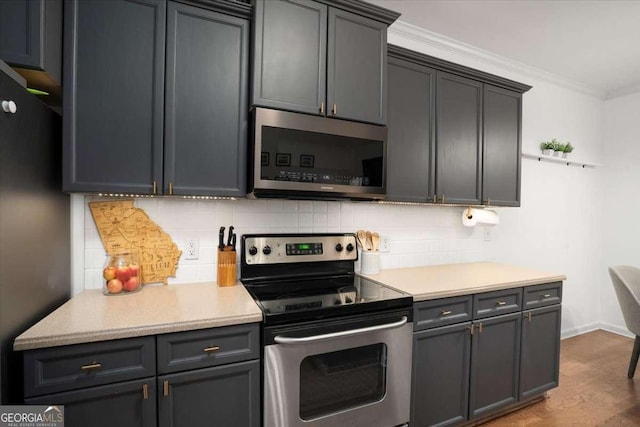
[497, 303]
[207, 347]
[542, 295]
[441, 312]
[56, 369]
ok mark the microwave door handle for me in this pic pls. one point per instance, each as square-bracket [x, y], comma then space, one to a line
[306, 340]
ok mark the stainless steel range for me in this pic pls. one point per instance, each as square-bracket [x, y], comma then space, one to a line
[337, 347]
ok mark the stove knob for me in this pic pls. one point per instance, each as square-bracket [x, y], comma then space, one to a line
[266, 250]
[253, 250]
[350, 247]
[339, 247]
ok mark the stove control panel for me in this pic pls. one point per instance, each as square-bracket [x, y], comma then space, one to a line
[287, 248]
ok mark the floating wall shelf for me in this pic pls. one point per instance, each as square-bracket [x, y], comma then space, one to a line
[568, 162]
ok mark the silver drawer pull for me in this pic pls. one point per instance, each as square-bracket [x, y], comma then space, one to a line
[211, 349]
[546, 295]
[93, 365]
[445, 312]
[501, 303]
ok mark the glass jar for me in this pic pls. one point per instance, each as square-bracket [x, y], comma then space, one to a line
[122, 274]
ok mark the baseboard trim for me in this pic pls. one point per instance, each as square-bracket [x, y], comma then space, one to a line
[568, 333]
[616, 330]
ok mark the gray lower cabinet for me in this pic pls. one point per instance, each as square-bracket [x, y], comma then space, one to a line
[494, 364]
[129, 404]
[317, 59]
[440, 383]
[192, 378]
[475, 355]
[540, 354]
[226, 395]
[135, 123]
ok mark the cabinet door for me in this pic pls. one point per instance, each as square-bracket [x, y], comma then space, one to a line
[31, 35]
[410, 168]
[226, 395]
[356, 67]
[114, 95]
[540, 356]
[494, 364]
[458, 139]
[502, 145]
[289, 69]
[206, 102]
[130, 404]
[440, 386]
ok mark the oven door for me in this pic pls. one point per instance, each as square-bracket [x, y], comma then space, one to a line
[351, 373]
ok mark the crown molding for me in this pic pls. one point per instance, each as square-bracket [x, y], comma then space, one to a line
[623, 91]
[406, 31]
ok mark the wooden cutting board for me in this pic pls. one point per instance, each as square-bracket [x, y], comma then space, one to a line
[125, 228]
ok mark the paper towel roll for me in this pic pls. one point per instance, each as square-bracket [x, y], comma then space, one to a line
[472, 217]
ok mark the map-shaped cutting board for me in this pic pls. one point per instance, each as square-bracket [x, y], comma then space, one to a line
[124, 228]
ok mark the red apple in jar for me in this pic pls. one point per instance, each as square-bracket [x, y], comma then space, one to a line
[109, 273]
[123, 274]
[114, 286]
[135, 270]
[131, 284]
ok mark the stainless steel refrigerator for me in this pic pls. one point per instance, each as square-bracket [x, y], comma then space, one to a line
[34, 222]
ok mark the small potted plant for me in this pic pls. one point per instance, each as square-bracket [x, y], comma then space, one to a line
[547, 148]
[568, 148]
[558, 148]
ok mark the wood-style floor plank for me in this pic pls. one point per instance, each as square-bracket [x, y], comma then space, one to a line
[594, 389]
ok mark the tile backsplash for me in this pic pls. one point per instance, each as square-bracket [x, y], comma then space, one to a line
[418, 235]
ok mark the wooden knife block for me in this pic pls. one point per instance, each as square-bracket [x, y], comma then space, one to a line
[226, 268]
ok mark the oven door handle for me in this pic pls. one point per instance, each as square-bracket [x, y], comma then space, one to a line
[306, 340]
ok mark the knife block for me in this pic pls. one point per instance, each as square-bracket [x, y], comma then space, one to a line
[226, 268]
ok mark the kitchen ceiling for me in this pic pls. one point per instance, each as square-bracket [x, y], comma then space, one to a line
[593, 43]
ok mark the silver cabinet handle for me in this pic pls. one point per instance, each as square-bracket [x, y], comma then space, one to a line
[445, 312]
[9, 107]
[314, 338]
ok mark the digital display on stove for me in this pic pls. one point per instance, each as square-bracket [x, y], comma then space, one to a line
[304, 248]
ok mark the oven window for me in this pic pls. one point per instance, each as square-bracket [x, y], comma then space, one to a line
[332, 382]
[310, 157]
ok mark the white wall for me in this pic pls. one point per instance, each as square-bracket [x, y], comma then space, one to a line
[620, 197]
[558, 228]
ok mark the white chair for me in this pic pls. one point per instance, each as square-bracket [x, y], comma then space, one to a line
[626, 282]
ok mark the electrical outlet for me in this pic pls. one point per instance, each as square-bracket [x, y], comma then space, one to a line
[191, 250]
[487, 233]
[385, 244]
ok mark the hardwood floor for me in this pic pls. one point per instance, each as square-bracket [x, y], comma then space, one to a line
[594, 389]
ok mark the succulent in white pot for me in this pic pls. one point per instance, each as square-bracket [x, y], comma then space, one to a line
[547, 148]
[558, 148]
[568, 148]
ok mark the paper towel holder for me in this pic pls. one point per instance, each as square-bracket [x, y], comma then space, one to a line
[469, 214]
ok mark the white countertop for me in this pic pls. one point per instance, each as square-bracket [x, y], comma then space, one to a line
[439, 281]
[91, 316]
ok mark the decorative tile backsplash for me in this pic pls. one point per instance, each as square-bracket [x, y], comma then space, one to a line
[418, 235]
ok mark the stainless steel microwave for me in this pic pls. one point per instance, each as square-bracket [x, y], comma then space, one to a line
[302, 156]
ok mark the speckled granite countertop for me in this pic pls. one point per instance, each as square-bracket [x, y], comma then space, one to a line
[439, 281]
[91, 316]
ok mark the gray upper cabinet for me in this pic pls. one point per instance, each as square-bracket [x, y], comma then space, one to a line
[356, 67]
[314, 58]
[127, 129]
[454, 133]
[458, 139]
[290, 42]
[114, 95]
[410, 106]
[31, 40]
[502, 146]
[206, 115]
